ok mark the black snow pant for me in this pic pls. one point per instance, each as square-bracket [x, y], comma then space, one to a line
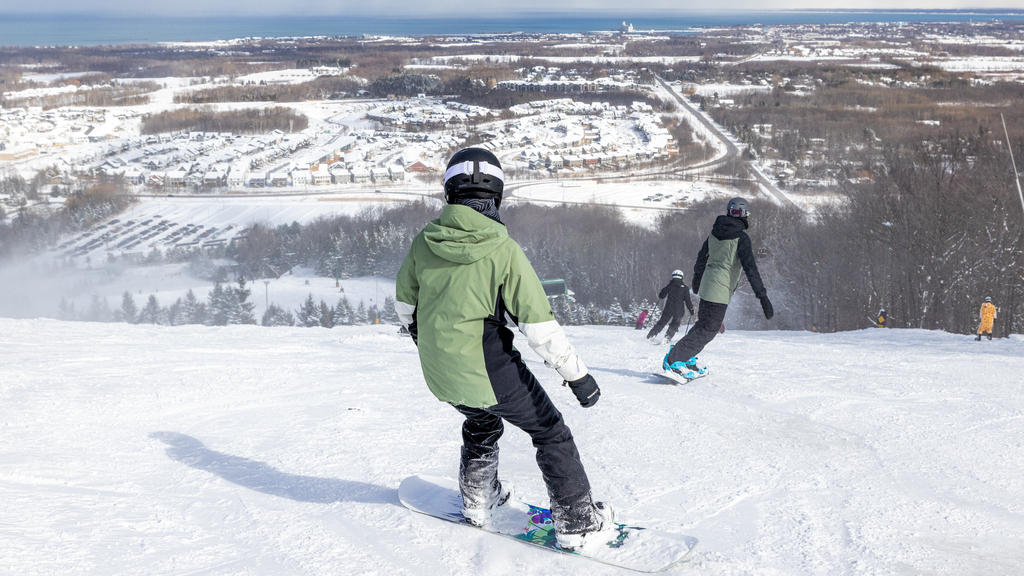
[673, 320]
[527, 406]
[709, 319]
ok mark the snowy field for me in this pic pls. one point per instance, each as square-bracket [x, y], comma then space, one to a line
[228, 216]
[641, 202]
[149, 450]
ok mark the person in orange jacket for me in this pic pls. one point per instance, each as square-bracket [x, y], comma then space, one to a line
[988, 316]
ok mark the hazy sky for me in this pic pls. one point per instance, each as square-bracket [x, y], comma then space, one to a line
[426, 8]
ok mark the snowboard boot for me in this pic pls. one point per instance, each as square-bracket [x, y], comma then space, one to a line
[576, 526]
[691, 365]
[686, 370]
[979, 337]
[477, 510]
[989, 335]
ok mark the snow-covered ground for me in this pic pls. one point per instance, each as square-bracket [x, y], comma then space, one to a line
[639, 201]
[150, 450]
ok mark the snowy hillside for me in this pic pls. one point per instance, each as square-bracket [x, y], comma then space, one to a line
[149, 450]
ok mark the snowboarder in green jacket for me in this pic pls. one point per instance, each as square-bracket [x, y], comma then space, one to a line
[716, 274]
[463, 280]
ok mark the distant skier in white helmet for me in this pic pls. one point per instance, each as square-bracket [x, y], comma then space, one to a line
[677, 299]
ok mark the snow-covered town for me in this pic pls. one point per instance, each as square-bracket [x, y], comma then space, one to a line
[341, 147]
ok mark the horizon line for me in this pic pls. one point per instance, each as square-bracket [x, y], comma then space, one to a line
[616, 14]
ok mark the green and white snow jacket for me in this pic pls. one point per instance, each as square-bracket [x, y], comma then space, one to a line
[462, 278]
[716, 274]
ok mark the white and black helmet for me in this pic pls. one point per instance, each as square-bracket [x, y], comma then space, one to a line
[474, 173]
[677, 273]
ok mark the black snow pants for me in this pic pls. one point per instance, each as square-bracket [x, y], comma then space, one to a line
[673, 321]
[709, 319]
[527, 406]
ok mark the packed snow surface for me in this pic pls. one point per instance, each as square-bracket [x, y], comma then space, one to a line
[150, 450]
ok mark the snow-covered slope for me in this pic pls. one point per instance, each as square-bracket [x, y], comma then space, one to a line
[149, 450]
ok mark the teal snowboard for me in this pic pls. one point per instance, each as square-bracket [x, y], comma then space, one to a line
[633, 547]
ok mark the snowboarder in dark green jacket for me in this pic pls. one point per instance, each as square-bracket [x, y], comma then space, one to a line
[463, 280]
[716, 274]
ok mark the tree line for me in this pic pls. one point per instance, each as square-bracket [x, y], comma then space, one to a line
[241, 121]
[228, 305]
[32, 231]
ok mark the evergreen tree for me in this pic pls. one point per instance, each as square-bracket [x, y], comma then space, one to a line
[594, 315]
[326, 315]
[99, 310]
[616, 317]
[188, 309]
[174, 313]
[155, 256]
[560, 308]
[244, 307]
[308, 315]
[277, 316]
[128, 311]
[201, 313]
[66, 310]
[390, 315]
[150, 313]
[216, 307]
[360, 316]
[232, 313]
[343, 312]
[578, 314]
[633, 311]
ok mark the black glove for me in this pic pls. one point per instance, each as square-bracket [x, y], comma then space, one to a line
[585, 389]
[691, 311]
[413, 332]
[766, 305]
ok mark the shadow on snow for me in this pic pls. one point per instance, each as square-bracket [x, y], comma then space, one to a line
[264, 478]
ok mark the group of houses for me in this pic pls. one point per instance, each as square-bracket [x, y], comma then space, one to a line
[562, 134]
[199, 160]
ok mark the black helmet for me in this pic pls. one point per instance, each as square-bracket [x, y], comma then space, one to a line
[988, 298]
[738, 208]
[474, 173]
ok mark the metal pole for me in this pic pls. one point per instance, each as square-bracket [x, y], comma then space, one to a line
[266, 286]
[1016, 177]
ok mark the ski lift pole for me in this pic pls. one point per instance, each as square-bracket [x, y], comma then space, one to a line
[1016, 177]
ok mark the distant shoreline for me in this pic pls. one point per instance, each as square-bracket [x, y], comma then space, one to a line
[91, 29]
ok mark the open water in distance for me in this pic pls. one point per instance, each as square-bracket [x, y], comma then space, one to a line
[93, 30]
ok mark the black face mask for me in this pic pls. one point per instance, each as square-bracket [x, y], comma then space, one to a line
[485, 206]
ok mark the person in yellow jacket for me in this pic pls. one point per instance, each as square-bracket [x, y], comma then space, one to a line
[988, 316]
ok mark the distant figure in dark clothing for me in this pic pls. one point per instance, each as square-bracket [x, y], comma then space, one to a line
[882, 317]
[677, 299]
